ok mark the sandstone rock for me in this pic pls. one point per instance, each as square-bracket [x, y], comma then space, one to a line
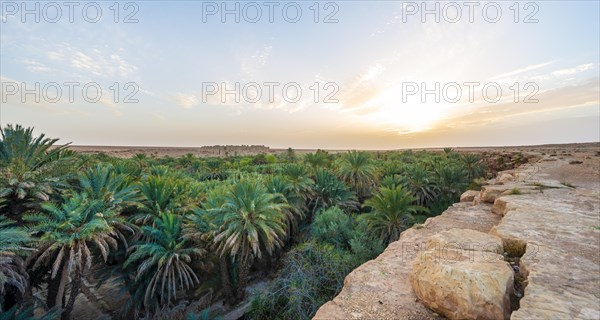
[381, 289]
[562, 251]
[506, 177]
[465, 239]
[552, 224]
[469, 196]
[490, 193]
[500, 206]
[464, 285]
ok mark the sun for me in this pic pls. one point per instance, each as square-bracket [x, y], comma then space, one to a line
[414, 115]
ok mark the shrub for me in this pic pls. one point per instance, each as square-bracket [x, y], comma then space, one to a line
[334, 227]
[311, 275]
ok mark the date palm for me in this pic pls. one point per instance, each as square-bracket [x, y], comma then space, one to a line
[68, 232]
[319, 159]
[105, 184]
[300, 183]
[159, 194]
[28, 168]
[473, 166]
[164, 260]
[356, 169]
[13, 241]
[420, 182]
[284, 193]
[392, 212]
[391, 181]
[253, 222]
[329, 192]
[451, 179]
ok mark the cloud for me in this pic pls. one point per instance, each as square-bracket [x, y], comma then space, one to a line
[99, 63]
[148, 92]
[396, 18]
[251, 64]
[522, 70]
[124, 68]
[574, 70]
[36, 66]
[84, 62]
[157, 115]
[62, 105]
[184, 100]
[111, 106]
[562, 98]
[359, 93]
[56, 56]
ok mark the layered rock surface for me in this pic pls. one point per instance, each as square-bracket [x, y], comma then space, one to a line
[535, 208]
[381, 288]
[464, 284]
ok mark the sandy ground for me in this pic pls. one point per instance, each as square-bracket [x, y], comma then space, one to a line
[223, 151]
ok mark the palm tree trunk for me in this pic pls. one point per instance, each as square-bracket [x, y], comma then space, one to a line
[97, 302]
[16, 209]
[26, 299]
[56, 287]
[225, 280]
[245, 264]
[75, 286]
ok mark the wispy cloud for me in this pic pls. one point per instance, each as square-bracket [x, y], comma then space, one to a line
[98, 64]
[63, 104]
[522, 70]
[359, 93]
[185, 100]
[574, 70]
[251, 64]
[56, 56]
[562, 98]
[157, 115]
[36, 66]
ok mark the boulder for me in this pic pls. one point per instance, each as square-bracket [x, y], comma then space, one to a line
[463, 284]
[469, 196]
[490, 193]
[465, 239]
[506, 177]
[499, 207]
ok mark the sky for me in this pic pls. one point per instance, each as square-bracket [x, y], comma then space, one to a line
[303, 74]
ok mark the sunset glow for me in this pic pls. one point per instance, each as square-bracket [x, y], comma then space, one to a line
[192, 78]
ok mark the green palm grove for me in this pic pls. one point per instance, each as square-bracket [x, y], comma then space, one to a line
[171, 231]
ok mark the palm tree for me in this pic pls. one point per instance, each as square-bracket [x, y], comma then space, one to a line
[105, 184]
[449, 152]
[391, 181]
[159, 194]
[319, 159]
[330, 192]
[141, 159]
[163, 258]
[27, 168]
[290, 155]
[253, 222]
[356, 169]
[12, 244]
[451, 178]
[417, 180]
[392, 212]
[25, 313]
[68, 231]
[129, 169]
[473, 166]
[300, 183]
[285, 194]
